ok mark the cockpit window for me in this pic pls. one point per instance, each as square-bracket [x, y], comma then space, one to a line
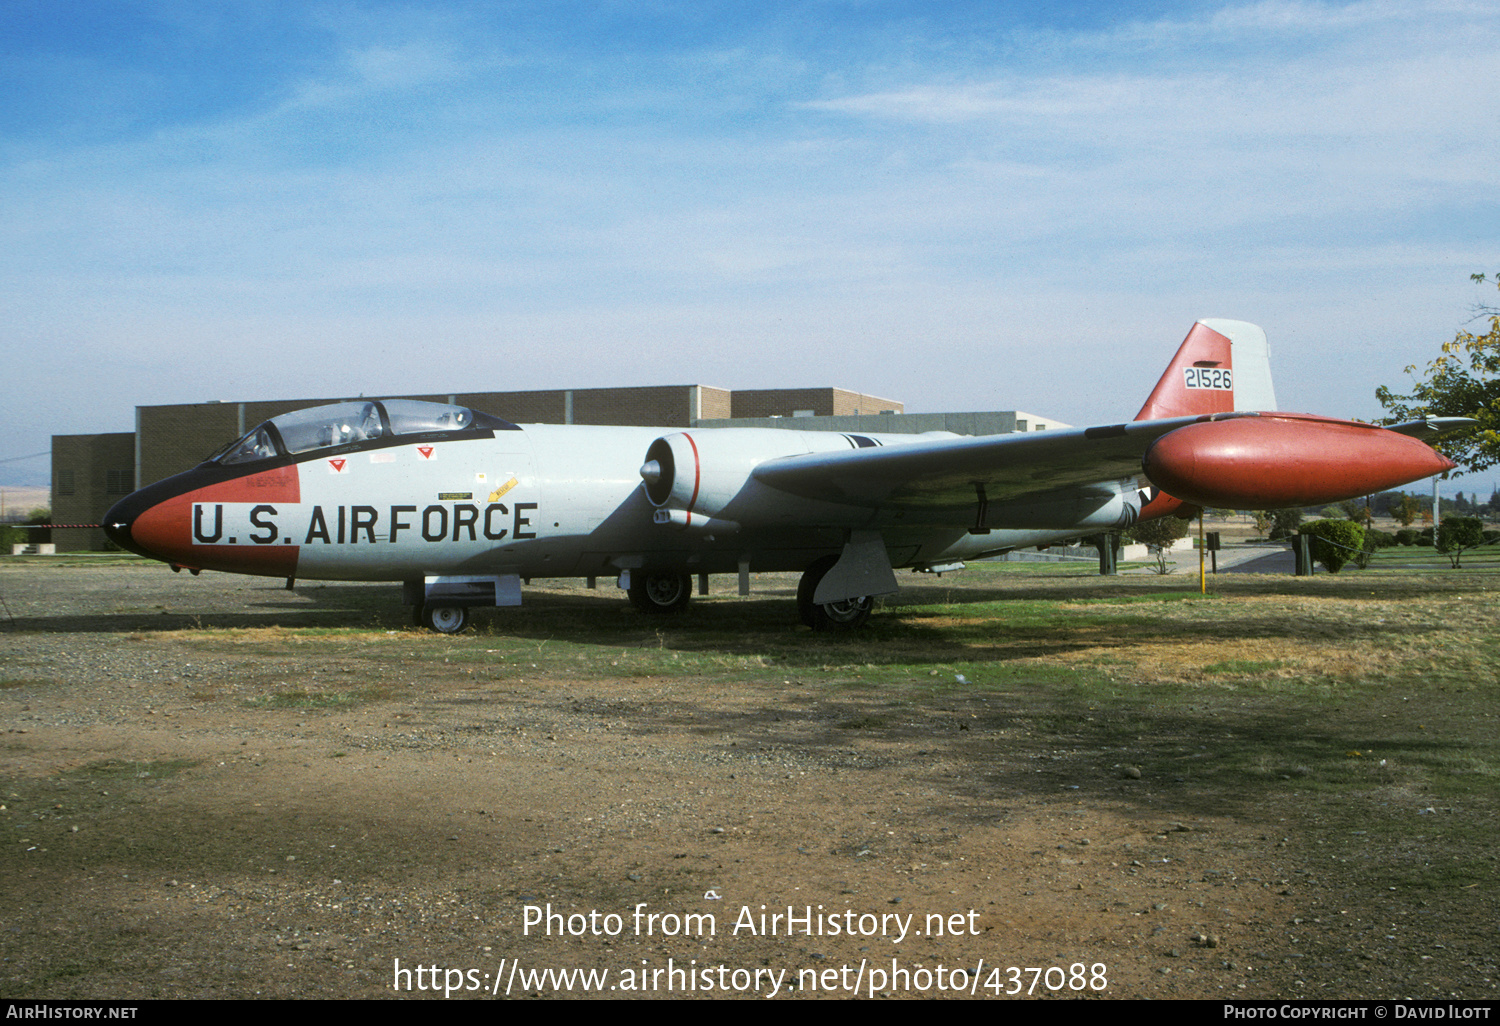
[257, 445]
[325, 427]
[410, 417]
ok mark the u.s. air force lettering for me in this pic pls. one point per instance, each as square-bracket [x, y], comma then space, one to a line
[231, 523]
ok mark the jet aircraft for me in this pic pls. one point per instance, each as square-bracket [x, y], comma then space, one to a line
[462, 506]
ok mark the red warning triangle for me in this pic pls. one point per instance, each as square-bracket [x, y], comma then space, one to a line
[426, 451]
[338, 466]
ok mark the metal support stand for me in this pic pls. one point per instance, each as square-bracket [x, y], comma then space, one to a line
[1302, 548]
[1107, 555]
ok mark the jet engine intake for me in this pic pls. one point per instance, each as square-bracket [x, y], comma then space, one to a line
[701, 472]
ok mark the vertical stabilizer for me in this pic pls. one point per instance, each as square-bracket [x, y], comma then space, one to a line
[1222, 366]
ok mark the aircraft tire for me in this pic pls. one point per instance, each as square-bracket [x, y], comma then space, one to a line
[846, 615]
[660, 593]
[445, 619]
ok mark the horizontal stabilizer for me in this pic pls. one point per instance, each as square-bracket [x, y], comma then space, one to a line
[1429, 427]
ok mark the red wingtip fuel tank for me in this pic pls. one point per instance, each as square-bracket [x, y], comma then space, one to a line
[1282, 460]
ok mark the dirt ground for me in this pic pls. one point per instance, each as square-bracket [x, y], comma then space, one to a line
[168, 832]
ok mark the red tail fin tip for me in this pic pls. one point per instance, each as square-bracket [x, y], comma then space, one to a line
[1221, 366]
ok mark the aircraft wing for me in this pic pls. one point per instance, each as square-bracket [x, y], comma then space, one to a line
[1428, 427]
[946, 472]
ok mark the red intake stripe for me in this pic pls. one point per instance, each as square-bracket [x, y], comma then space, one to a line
[697, 475]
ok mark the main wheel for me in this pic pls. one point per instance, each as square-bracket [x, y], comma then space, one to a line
[844, 615]
[445, 619]
[660, 593]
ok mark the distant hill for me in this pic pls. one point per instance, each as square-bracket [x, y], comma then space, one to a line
[18, 501]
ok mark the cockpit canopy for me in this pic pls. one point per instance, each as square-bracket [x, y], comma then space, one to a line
[381, 421]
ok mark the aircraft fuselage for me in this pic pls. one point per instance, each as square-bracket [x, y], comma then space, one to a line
[541, 501]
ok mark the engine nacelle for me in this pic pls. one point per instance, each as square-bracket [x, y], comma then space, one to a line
[699, 474]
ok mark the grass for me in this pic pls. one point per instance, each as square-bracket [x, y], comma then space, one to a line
[1245, 667]
[1355, 715]
[1257, 691]
[1423, 557]
[77, 559]
[298, 699]
[129, 769]
[1360, 698]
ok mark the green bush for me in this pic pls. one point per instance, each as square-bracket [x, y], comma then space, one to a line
[1406, 536]
[1335, 542]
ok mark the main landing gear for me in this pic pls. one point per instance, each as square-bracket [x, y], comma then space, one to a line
[660, 593]
[844, 615]
[444, 619]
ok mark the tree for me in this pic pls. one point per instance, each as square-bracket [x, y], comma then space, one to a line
[1406, 510]
[1357, 510]
[1457, 534]
[1158, 535]
[40, 515]
[1284, 523]
[1463, 382]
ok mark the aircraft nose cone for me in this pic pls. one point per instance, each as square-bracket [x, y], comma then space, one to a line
[206, 518]
[153, 522]
[119, 521]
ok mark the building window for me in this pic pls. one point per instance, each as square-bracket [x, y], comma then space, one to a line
[64, 482]
[119, 482]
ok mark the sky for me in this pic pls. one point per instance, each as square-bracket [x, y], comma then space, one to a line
[960, 206]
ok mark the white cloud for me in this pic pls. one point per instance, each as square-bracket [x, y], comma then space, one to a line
[946, 234]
